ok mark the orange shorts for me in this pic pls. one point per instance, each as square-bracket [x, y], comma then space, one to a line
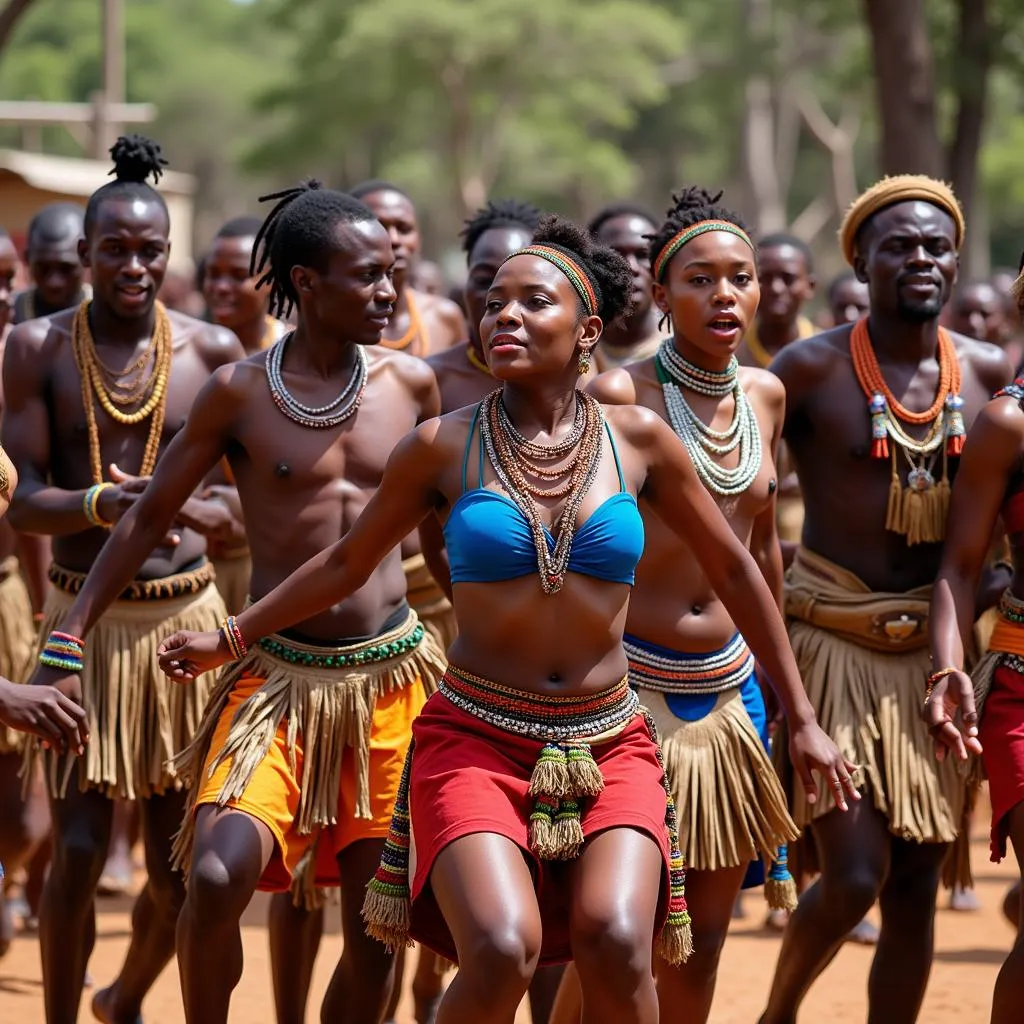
[272, 795]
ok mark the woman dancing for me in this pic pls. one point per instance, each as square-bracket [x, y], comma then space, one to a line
[988, 486]
[534, 824]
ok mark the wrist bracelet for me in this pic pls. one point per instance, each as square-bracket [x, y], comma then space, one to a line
[935, 677]
[90, 505]
[234, 639]
[63, 651]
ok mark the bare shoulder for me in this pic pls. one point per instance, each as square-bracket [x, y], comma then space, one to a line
[411, 372]
[614, 387]
[639, 426]
[441, 439]
[216, 345]
[988, 362]
[33, 345]
[448, 358]
[1001, 417]
[443, 308]
[813, 357]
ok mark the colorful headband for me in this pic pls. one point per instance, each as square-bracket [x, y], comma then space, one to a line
[578, 277]
[688, 234]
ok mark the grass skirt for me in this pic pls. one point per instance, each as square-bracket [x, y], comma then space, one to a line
[17, 641]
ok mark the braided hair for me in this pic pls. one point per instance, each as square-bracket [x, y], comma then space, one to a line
[136, 159]
[300, 232]
[502, 213]
[606, 268]
[690, 206]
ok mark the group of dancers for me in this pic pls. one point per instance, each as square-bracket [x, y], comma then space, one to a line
[497, 597]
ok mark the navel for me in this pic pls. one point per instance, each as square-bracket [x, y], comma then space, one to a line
[773, 486]
[281, 470]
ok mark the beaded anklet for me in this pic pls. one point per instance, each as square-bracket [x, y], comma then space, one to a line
[233, 636]
[90, 505]
[63, 651]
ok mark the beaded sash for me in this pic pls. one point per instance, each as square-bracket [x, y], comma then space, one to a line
[163, 589]
[657, 668]
[401, 640]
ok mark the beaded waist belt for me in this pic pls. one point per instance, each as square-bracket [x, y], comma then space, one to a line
[658, 668]
[167, 587]
[565, 772]
[394, 643]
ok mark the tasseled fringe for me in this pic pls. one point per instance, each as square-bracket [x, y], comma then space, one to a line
[564, 773]
[139, 719]
[739, 811]
[920, 516]
[675, 943]
[305, 892]
[329, 710]
[779, 887]
[17, 642]
[981, 676]
[869, 703]
[387, 908]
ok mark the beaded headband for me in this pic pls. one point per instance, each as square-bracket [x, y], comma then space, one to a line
[578, 277]
[688, 234]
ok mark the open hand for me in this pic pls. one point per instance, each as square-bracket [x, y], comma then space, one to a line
[812, 750]
[45, 712]
[184, 655]
[949, 693]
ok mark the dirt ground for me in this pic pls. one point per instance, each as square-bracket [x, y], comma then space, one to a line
[969, 950]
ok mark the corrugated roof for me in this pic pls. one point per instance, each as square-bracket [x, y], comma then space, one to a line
[77, 177]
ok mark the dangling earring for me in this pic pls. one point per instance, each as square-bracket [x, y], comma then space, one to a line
[583, 363]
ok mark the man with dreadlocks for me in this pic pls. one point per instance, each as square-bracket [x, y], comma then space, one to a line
[876, 414]
[91, 392]
[300, 751]
[627, 228]
[51, 255]
[422, 323]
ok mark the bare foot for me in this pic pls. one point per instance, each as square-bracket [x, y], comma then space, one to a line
[964, 900]
[116, 879]
[865, 934]
[777, 920]
[103, 1008]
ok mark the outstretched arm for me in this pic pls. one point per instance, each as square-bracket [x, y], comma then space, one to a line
[991, 455]
[676, 494]
[407, 494]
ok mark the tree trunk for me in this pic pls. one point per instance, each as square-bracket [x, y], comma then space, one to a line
[9, 16]
[905, 87]
[971, 73]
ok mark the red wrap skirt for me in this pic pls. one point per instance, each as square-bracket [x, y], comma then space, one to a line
[468, 776]
[1002, 739]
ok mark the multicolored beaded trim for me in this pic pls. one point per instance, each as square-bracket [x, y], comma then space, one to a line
[380, 649]
[63, 651]
[687, 235]
[536, 715]
[568, 266]
[90, 505]
[656, 668]
[233, 638]
[1011, 608]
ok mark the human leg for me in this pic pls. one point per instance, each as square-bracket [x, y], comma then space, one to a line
[485, 891]
[1009, 991]
[294, 933]
[154, 916]
[854, 851]
[67, 922]
[230, 851]
[686, 991]
[616, 885]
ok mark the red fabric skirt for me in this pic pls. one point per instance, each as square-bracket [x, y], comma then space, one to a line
[469, 777]
[1002, 739]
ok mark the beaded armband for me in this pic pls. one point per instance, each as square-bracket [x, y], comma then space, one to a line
[234, 639]
[90, 505]
[63, 651]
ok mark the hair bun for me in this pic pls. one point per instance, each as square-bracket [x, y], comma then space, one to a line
[136, 158]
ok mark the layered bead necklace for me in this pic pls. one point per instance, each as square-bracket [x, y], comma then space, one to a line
[320, 417]
[141, 386]
[707, 446]
[510, 453]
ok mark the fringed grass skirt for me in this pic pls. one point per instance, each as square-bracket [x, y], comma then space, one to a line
[17, 641]
[139, 720]
[546, 773]
[310, 745]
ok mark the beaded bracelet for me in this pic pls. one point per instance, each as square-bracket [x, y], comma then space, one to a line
[63, 651]
[90, 505]
[935, 677]
[233, 636]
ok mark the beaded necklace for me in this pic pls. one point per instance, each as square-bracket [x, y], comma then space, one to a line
[506, 459]
[5, 480]
[919, 510]
[320, 417]
[413, 339]
[706, 446]
[101, 383]
[475, 361]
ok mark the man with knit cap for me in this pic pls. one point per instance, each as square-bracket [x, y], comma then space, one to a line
[875, 418]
